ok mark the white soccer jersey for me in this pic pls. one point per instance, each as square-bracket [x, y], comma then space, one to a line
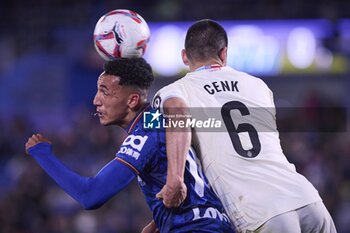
[248, 171]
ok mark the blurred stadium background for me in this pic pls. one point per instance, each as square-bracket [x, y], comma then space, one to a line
[48, 71]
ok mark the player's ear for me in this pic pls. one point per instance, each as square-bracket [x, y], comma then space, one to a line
[184, 57]
[223, 55]
[134, 100]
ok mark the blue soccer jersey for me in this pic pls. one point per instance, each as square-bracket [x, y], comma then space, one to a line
[144, 151]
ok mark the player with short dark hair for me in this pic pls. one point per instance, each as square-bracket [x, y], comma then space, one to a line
[199, 47]
[260, 190]
[121, 100]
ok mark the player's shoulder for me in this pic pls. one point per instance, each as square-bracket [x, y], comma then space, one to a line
[143, 126]
[176, 89]
[139, 148]
[173, 86]
[246, 77]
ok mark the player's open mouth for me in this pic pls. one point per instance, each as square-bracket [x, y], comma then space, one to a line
[99, 114]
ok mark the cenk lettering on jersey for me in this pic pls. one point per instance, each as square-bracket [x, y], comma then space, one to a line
[214, 87]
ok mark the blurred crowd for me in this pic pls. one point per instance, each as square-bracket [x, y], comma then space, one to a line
[30, 202]
[31, 24]
[47, 83]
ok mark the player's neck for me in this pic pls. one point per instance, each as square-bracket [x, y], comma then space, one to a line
[131, 116]
[195, 65]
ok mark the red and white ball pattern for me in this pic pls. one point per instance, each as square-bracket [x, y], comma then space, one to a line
[121, 34]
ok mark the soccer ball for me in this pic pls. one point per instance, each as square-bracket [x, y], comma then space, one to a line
[121, 34]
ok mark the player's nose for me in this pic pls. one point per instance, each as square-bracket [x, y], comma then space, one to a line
[96, 101]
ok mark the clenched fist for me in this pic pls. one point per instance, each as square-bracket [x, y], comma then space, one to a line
[35, 139]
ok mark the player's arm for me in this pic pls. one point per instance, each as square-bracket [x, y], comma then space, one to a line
[150, 228]
[178, 142]
[90, 192]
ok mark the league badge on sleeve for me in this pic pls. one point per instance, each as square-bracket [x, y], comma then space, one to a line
[156, 102]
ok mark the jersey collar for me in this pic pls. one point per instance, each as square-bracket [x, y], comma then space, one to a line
[214, 66]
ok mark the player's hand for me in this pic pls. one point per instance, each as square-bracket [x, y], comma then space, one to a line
[173, 193]
[35, 139]
[150, 228]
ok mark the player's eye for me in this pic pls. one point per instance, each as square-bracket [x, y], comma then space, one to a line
[104, 92]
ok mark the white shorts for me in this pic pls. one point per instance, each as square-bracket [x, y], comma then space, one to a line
[313, 218]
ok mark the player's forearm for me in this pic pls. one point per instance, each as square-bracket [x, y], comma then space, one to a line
[90, 192]
[178, 140]
[178, 144]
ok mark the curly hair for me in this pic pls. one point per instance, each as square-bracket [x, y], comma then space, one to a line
[134, 72]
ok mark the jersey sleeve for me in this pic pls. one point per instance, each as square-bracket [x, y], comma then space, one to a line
[167, 92]
[137, 151]
[270, 103]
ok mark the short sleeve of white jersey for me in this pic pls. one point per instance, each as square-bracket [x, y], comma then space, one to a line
[173, 90]
[273, 109]
[270, 103]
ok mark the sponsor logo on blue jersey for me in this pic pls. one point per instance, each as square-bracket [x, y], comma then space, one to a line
[135, 141]
[130, 152]
[133, 145]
